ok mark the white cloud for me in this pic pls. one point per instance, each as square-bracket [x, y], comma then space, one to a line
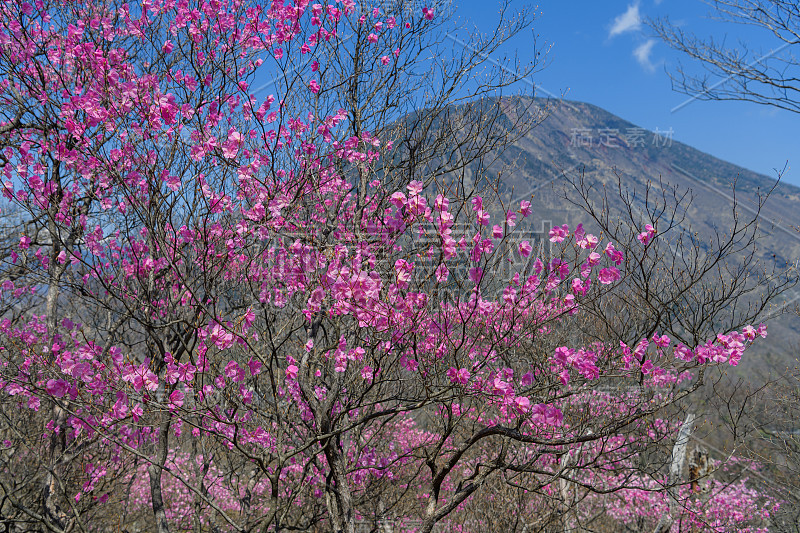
[642, 54]
[628, 21]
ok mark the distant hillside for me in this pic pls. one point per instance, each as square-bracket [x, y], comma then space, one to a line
[579, 137]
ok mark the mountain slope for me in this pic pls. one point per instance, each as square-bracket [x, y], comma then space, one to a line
[579, 138]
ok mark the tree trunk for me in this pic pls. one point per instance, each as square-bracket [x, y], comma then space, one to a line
[337, 491]
[154, 470]
[52, 510]
[675, 475]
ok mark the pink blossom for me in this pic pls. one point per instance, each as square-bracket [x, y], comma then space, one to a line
[34, 403]
[255, 367]
[403, 269]
[176, 399]
[150, 381]
[415, 188]
[647, 235]
[57, 387]
[398, 199]
[522, 403]
[559, 233]
[234, 372]
[460, 376]
[367, 373]
[683, 353]
[442, 273]
[581, 287]
[608, 275]
[475, 275]
[186, 372]
[167, 108]
[559, 268]
[171, 374]
[584, 240]
[120, 408]
[231, 147]
[661, 341]
[615, 255]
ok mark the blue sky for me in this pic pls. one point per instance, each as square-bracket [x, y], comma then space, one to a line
[601, 53]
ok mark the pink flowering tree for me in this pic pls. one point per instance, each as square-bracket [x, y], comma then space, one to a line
[677, 280]
[268, 312]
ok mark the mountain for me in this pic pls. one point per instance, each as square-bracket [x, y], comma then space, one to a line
[580, 138]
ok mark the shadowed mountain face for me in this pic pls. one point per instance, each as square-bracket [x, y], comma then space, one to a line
[581, 138]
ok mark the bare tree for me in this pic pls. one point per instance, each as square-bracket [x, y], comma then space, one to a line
[683, 284]
[737, 72]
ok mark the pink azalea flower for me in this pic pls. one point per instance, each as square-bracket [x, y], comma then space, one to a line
[647, 235]
[255, 367]
[186, 372]
[234, 372]
[442, 273]
[614, 254]
[415, 187]
[176, 399]
[522, 404]
[398, 199]
[367, 373]
[511, 219]
[460, 376]
[57, 387]
[608, 275]
[559, 233]
[475, 275]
